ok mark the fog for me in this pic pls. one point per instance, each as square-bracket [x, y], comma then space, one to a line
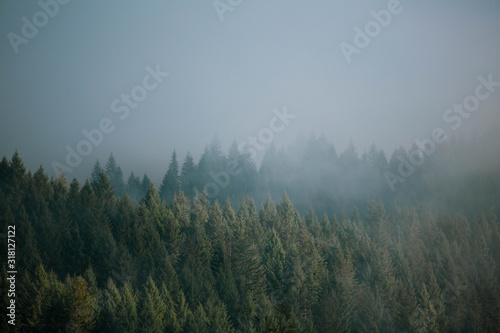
[228, 78]
[250, 166]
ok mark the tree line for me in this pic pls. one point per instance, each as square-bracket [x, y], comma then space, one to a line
[92, 259]
[460, 175]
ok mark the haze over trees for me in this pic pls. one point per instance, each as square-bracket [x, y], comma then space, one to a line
[309, 241]
[315, 175]
[352, 183]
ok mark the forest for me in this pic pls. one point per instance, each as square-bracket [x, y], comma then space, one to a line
[308, 241]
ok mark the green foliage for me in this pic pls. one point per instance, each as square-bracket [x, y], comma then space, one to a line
[90, 260]
[80, 306]
[171, 181]
[154, 311]
[115, 176]
[274, 262]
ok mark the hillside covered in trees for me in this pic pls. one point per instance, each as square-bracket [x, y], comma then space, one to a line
[459, 175]
[113, 256]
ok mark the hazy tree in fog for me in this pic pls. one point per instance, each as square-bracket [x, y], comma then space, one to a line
[188, 176]
[171, 182]
[115, 176]
[133, 187]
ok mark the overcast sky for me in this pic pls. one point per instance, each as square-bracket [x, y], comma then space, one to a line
[227, 76]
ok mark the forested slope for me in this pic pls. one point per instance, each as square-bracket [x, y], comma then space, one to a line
[91, 261]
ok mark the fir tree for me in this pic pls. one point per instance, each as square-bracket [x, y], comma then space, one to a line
[188, 177]
[133, 187]
[115, 176]
[171, 182]
[153, 309]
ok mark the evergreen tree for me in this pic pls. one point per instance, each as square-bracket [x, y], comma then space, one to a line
[33, 299]
[197, 320]
[171, 322]
[96, 170]
[5, 173]
[199, 267]
[145, 185]
[170, 185]
[79, 304]
[217, 231]
[426, 319]
[218, 318]
[115, 176]
[126, 310]
[133, 187]
[287, 223]
[274, 262]
[153, 315]
[181, 208]
[103, 190]
[313, 223]
[188, 177]
[112, 298]
[268, 213]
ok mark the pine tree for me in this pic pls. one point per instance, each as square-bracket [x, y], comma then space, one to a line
[313, 223]
[5, 173]
[173, 235]
[188, 177]
[249, 174]
[182, 309]
[312, 265]
[287, 223]
[426, 319]
[170, 185]
[195, 273]
[18, 173]
[197, 320]
[217, 230]
[112, 298]
[268, 213]
[377, 222]
[79, 304]
[115, 176]
[145, 185]
[230, 219]
[339, 304]
[218, 318]
[96, 170]
[57, 313]
[253, 224]
[103, 190]
[133, 187]
[156, 210]
[181, 208]
[404, 292]
[237, 184]
[126, 311]
[199, 209]
[274, 263]
[153, 309]
[248, 265]
[148, 247]
[349, 157]
[33, 296]
[30, 256]
[171, 322]
[165, 272]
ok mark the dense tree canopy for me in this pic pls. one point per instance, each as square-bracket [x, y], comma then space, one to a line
[104, 256]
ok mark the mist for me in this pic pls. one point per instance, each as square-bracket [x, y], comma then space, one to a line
[226, 77]
[250, 166]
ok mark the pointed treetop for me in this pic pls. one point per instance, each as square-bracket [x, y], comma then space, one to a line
[95, 171]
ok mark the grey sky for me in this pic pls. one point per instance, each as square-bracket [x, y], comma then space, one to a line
[226, 77]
